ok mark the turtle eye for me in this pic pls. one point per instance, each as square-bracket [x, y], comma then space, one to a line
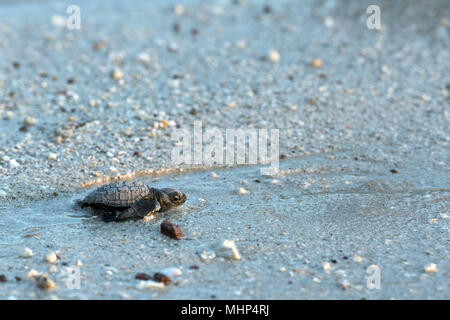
[176, 198]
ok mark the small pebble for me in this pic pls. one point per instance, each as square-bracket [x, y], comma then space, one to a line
[142, 276]
[79, 264]
[357, 259]
[3, 278]
[51, 156]
[58, 20]
[241, 44]
[328, 22]
[51, 258]
[273, 56]
[27, 253]
[227, 249]
[425, 98]
[99, 45]
[431, 268]
[242, 191]
[207, 255]
[149, 284]
[160, 277]
[171, 230]
[32, 274]
[29, 121]
[13, 163]
[45, 282]
[214, 175]
[316, 63]
[345, 284]
[116, 74]
[144, 58]
[171, 272]
[326, 266]
[178, 10]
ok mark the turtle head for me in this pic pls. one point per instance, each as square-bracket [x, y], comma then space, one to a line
[169, 198]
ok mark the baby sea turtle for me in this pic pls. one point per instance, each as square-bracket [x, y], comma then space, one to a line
[122, 200]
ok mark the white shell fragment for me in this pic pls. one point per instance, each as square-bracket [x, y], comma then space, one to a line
[242, 191]
[33, 273]
[116, 74]
[431, 268]
[149, 284]
[326, 266]
[207, 255]
[227, 249]
[143, 57]
[214, 175]
[51, 258]
[171, 272]
[273, 56]
[27, 253]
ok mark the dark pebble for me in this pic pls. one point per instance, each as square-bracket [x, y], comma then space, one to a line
[3, 278]
[171, 230]
[159, 277]
[267, 9]
[394, 171]
[142, 276]
[194, 267]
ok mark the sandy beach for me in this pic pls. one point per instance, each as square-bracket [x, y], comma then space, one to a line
[362, 115]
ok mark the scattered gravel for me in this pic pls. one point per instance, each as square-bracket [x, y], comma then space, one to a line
[82, 108]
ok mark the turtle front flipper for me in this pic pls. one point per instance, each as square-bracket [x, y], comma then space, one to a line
[139, 209]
